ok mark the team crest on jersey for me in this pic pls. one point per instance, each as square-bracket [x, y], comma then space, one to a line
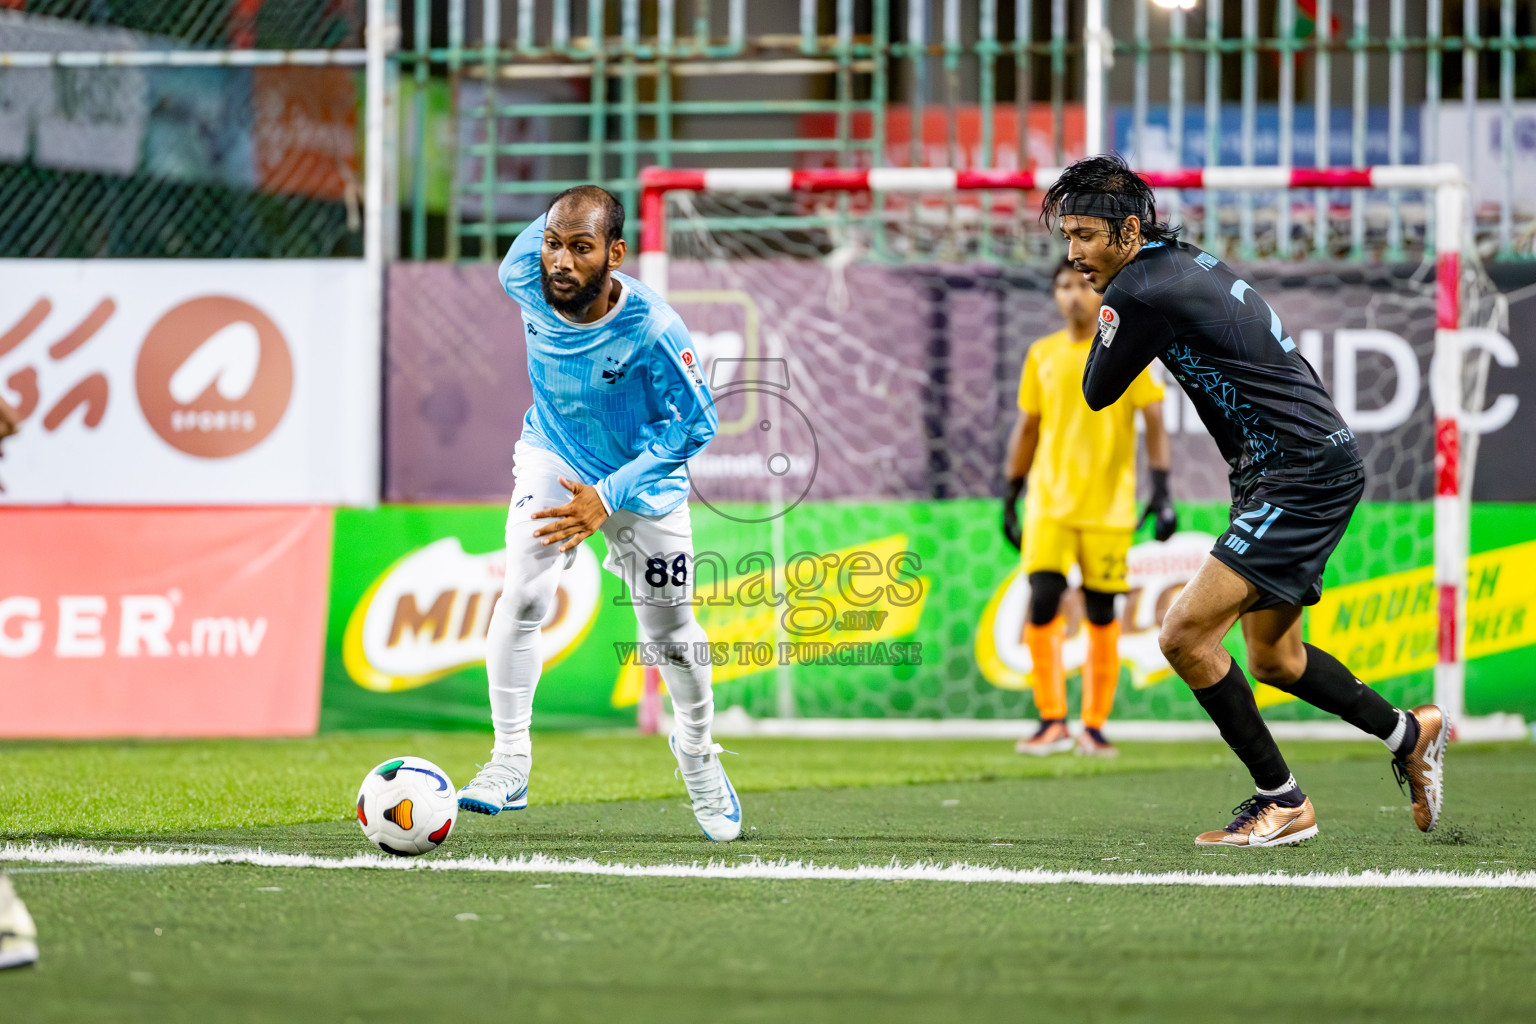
[1109, 323]
[691, 364]
[613, 369]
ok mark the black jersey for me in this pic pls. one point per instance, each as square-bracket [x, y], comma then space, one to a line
[1261, 401]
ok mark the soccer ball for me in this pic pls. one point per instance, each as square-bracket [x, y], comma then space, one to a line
[407, 806]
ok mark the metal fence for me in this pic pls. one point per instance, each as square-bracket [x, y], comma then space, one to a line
[213, 128]
[594, 91]
[1335, 82]
[226, 145]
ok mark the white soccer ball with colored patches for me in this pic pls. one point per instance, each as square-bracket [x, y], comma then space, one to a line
[407, 806]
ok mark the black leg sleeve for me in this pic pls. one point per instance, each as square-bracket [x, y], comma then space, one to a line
[1329, 686]
[1099, 607]
[1231, 706]
[1045, 590]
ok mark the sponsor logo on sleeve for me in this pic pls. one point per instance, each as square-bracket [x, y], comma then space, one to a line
[691, 365]
[1109, 323]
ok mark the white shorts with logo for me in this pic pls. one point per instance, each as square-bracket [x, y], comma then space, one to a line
[653, 555]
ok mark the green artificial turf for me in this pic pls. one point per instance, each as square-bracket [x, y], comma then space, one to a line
[146, 787]
[241, 943]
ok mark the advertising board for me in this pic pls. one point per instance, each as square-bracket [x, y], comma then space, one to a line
[221, 382]
[880, 610]
[161, 622]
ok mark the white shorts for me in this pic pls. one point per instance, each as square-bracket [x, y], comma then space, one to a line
[653, 555]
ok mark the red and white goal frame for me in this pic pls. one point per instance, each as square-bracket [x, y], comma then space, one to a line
[1446, 181]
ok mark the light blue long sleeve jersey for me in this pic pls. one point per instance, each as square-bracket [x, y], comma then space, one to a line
[623, 400]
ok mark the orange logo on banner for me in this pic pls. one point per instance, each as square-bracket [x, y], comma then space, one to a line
[214, 376]
[162, 622]
[306, 131]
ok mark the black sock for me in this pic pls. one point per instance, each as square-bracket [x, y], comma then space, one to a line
[1231, 706]
[1290, 798]
[1329, 686]
[1410, 737]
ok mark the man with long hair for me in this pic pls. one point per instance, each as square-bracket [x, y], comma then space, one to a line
[1296, 477]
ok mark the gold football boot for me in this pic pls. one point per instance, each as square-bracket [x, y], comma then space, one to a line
[1262, 822]
[1421, 770]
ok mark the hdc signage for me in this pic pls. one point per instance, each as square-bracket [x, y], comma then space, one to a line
[189, 382]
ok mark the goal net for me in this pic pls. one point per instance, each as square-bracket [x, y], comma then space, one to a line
[864, 333]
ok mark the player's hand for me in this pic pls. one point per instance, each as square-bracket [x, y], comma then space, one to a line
[1165, 518]
[1011, 528]
[574, 521]
[9, 421]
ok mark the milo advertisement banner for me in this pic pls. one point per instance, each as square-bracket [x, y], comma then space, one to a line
[908, 609]
[412, 590]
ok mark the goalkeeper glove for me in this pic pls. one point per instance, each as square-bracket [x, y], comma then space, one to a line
[1165, 520]
[1011, 528]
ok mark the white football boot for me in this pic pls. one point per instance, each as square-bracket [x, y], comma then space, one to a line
[501, 785]
[18, 935]
[713, 796]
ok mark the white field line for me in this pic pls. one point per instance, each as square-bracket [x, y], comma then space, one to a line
[732, 723]
[784, 870]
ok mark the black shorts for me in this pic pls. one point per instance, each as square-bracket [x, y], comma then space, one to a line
[1284, 528]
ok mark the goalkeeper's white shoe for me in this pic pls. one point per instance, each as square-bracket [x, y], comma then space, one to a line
[18, 935]
[714, 798]
[499, 786]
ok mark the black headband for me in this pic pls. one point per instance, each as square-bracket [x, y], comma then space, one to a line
[1105, 205]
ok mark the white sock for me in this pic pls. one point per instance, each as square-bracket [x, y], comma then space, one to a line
[1396, 739]
[688, 677]
[513, 662]
[1290, 784]
[514, 655]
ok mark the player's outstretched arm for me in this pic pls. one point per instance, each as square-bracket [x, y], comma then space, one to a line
[1131, 335]
[1022, 442]
[675, 368]
[1165, 518]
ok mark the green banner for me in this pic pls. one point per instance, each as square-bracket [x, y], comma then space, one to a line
[879, 609]
[412, 589]
[1377, 614]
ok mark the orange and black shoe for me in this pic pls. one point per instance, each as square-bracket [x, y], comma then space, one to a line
[1091, 743]
[1052, 737]
[1420, 768]
[1263, 821]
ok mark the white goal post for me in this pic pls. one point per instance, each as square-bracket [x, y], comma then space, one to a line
[1444, 181]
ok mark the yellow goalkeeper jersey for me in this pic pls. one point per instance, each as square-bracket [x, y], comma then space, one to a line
[1084, 473]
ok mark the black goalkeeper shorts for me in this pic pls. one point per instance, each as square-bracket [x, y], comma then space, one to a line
[1284, 528]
